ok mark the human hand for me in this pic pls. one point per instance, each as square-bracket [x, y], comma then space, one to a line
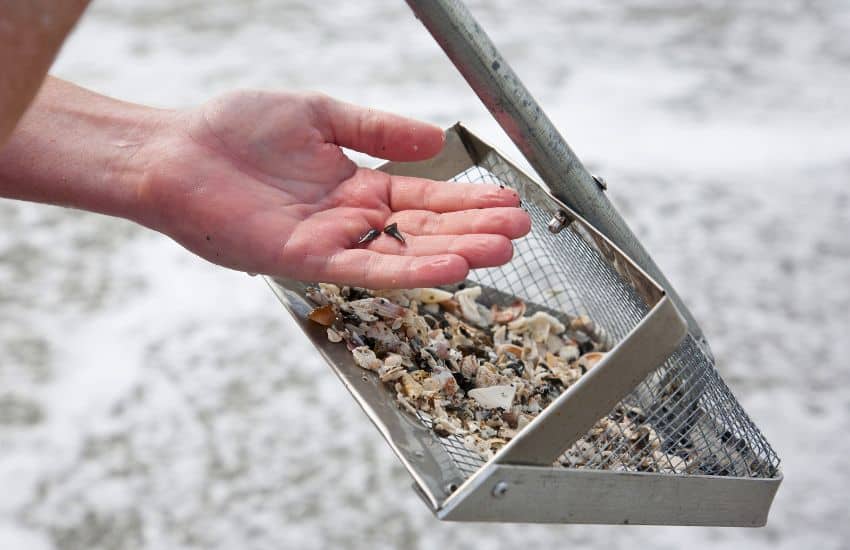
[256, 181]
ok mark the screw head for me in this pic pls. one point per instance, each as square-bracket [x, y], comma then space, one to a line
[500, 489]
[558, 222]
[600, 181]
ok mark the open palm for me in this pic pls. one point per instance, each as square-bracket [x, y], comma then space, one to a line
[257, 181]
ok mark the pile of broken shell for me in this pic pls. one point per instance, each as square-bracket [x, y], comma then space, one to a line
[478, 373]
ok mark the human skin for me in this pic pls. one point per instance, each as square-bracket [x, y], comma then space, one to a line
[257, 181]
[31, 33]
[254, 181]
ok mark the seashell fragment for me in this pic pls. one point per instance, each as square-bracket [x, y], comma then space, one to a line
[468, 306]
[569, 353]
[494, 397]
[366, 358]
[509, 313]
[324, 315]
[429, 295]
[513, 349]
[483, 374]
[589, 359]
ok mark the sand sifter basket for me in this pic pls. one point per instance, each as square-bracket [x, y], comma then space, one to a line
[651, 434]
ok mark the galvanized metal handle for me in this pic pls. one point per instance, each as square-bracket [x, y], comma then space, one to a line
[501, 91]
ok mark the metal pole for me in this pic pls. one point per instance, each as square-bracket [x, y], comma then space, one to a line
[496, 84]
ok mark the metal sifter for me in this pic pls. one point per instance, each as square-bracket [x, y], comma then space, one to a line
[651, 434]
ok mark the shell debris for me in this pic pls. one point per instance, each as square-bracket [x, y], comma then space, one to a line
[480, 374]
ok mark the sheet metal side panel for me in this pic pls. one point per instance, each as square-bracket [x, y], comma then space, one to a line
[416, 446]
[534, 494]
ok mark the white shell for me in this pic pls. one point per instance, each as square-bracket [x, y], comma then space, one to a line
[494, 397]
[365, 358]
[429, 295]
[468, 306]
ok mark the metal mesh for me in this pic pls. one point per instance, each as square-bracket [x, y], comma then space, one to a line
[682, 419]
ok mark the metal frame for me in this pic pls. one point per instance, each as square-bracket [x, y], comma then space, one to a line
[490, 76]
[563, 495]
[520, 483]
[641, 351]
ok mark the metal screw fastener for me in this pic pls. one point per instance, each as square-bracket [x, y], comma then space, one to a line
[558, 222]
[600, 181]
[500, 489]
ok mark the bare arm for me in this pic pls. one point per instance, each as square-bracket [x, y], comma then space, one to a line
[257, 181]
[31, 33]
[72, 148]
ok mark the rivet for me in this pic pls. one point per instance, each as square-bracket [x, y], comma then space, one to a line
[600, 181]
[500, 489]
[558, 222]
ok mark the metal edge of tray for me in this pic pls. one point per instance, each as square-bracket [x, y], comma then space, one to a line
[418, 448]
[535, 494]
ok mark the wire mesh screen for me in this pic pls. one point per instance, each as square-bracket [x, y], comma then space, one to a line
[682, 419]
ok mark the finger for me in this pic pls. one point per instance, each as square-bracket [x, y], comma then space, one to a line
[420, 194]
[477, 250]
[377, 133]
[369, 269]
[510, 222]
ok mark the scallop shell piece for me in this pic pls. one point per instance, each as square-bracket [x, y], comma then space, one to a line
[543, 324]
[393, 360]
[444, 428]
[410, 387]
[392, 368]
[469, 366]
[429, 295]
[513, 349]
[324, 315]
[589, 359]
[508, 313]
[334, 336]
[441, 379]
[468, 306]
[329, 290]
[452, 307]
[500, 335]
[569, 352]
[368, 309]
[315, 294]
[474, 443]
[486, 375]
[494, 397]
[584, 324]
[366, 358]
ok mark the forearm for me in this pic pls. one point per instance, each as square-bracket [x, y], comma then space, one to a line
[31, 33]
[74, 148]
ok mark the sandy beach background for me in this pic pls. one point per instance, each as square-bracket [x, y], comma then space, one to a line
[151, 400]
